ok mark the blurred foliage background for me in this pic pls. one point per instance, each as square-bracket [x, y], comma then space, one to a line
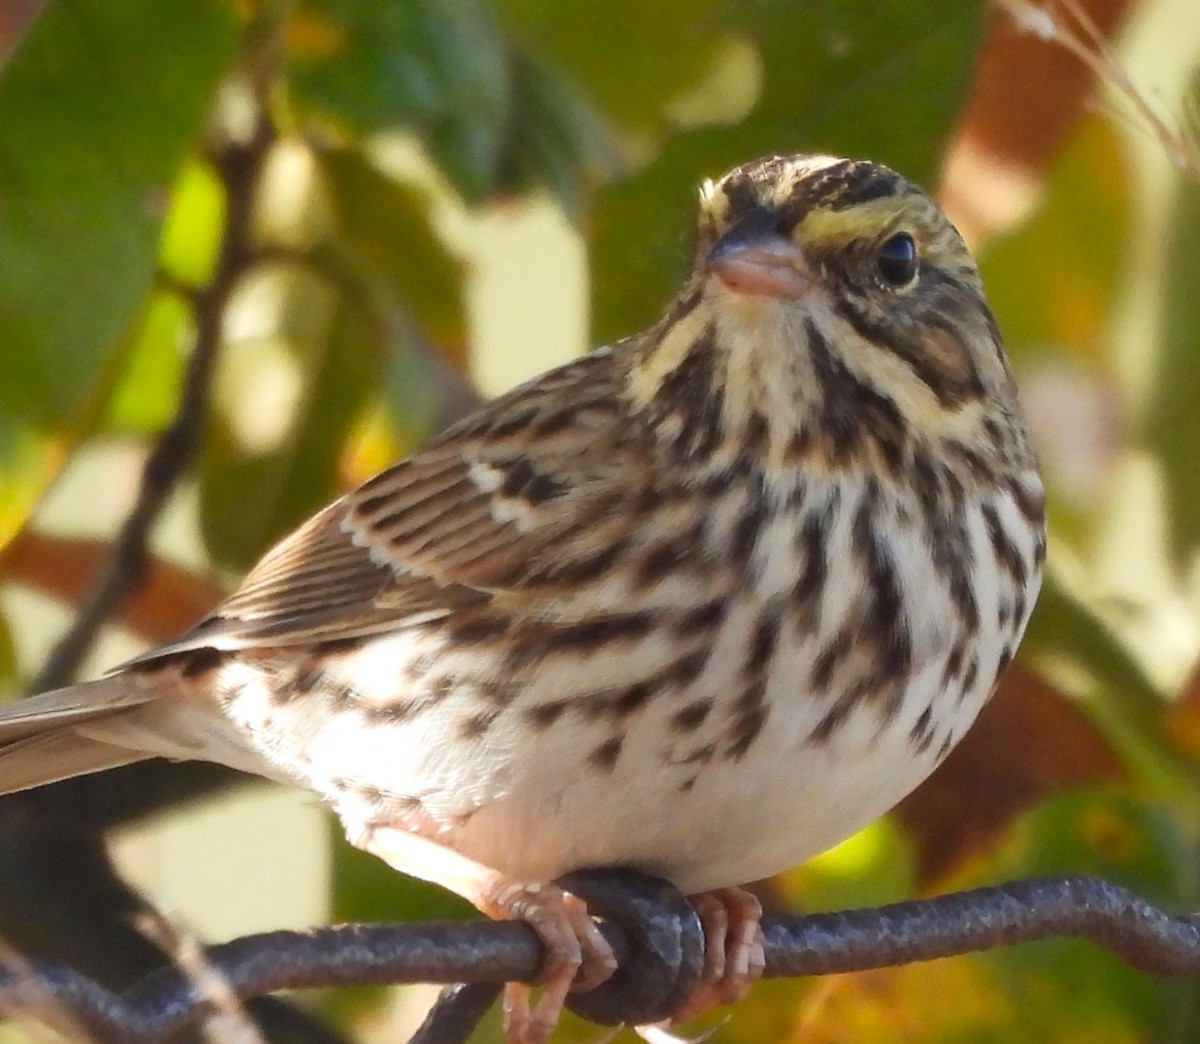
[296, 237]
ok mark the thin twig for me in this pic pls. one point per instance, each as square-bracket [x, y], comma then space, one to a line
[229, 1022]
[1072, 29]
[238, 165]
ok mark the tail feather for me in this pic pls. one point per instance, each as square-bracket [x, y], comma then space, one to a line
[38, 739]
[113, 721]
[37, 760]
[73, 705]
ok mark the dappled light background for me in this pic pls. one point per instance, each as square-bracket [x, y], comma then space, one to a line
[457, 196]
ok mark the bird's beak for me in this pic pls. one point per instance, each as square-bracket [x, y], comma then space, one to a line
[753, 257]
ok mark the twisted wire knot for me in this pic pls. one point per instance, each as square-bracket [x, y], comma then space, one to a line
[659, 945]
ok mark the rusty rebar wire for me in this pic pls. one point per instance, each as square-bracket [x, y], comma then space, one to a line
[655, 935]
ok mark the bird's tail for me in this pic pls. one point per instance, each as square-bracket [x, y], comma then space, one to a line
[69, 732]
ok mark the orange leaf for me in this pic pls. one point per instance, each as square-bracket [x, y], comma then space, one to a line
[1027, 97]
[168, 600]
[1184, 720]
[1029, 742]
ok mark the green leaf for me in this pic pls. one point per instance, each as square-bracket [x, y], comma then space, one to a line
[9, 679]
[385, 226]
[878, 78]
[1115, 836]
[1053, 283]
[191, 235]
[144, 396]
[631, 57]
[252, 491]
[1066, 633]
[28, 461]
[437, 66]
[556, 139]
[97, 108]
[1172, 420]
[882, 79]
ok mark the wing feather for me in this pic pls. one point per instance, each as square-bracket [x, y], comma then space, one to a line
[487, 507]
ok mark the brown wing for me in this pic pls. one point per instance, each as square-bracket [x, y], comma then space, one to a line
[512, 496]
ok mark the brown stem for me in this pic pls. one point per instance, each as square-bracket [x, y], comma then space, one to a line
[238, 165]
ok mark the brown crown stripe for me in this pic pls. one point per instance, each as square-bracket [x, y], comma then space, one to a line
[839, 186]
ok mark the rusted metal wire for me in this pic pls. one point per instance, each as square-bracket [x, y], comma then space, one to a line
[656, 937]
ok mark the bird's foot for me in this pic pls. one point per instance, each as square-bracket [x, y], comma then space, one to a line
[577, 957]
[733, 952]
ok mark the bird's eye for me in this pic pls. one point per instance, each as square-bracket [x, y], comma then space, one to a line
[896, 262]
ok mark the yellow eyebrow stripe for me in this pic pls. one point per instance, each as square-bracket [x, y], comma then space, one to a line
[827, 227]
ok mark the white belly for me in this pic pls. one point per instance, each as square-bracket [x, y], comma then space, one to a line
[591, 784]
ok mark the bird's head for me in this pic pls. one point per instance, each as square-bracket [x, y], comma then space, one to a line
[833, 313]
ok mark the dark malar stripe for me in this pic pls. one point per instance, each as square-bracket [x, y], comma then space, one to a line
[952, 387]
[853, 414]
